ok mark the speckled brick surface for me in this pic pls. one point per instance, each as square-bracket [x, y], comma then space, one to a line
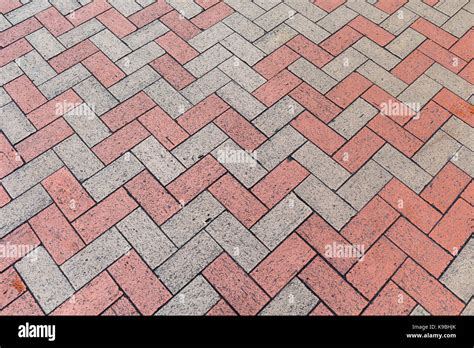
[236, 157]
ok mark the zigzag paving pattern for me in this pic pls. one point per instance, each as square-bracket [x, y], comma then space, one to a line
[236, 157]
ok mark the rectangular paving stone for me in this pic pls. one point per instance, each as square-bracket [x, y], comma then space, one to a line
[94, 258]
[192, 218]
[246, 8]
[464, 159]
[93, 93]
[282, 144]
[294, 299]
[242, 101]
[242, 74]
[459, 24]
[367, 10]
[307, 28]
[146, 34]
[277, 116]
[158, 160]
[44, 279]
[312, 75]
[237, 241]
[142, 56]
[428, 12]
[65, 80]
[275, 38]
[188, 262]
[337, 19]
[210, 37]
[134, 83]
[45, 43]
[419, 311]
[344, 64]
[199, 145]
[146, 238]
[143, 3]
[169, 99]
[382, 78]
[399, 20]
[31, 173]
[29, 9]
[205, 86]
[87, 124]
[14, 123]
[23, 208]
[325, 202]
[244, 27]
[66, 6]
[280, 221]
[243, 49]
[4, 23]
[458, 275]
[267, 4]
[402, 168]
[208, 60]
[451, 7]
[405, 43]
[4, 97]
[449, 80]
[376, 53]
[421, 91]
[460, 131]
[272, 18]
[111, 177]
[79, 159]
[436, 152]
[35, 67]
[469, 310]
[321, 165]
[196, 298]
[9, 72]
[307, 9]
[81, 32]
[126, 8]
[110, 45]
[239, 162]
[353, 118]
[364, 185]
[187, 8]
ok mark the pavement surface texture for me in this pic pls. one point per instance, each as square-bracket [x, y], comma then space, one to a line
[236, 157]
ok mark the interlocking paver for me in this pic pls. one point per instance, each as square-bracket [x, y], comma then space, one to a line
[92, 299]
[188, 262]
[294, 299]
[236, 157]
[94, 258]
[239, 243]
[195, 299]
[31, 173]
[146, 238]
[363, 185]
[41, 274]
[282, 264]
[139, 282]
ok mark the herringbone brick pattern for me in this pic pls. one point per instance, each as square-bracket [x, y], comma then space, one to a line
[237, 157]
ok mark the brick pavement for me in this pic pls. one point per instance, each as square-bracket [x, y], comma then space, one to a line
[237, 157]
